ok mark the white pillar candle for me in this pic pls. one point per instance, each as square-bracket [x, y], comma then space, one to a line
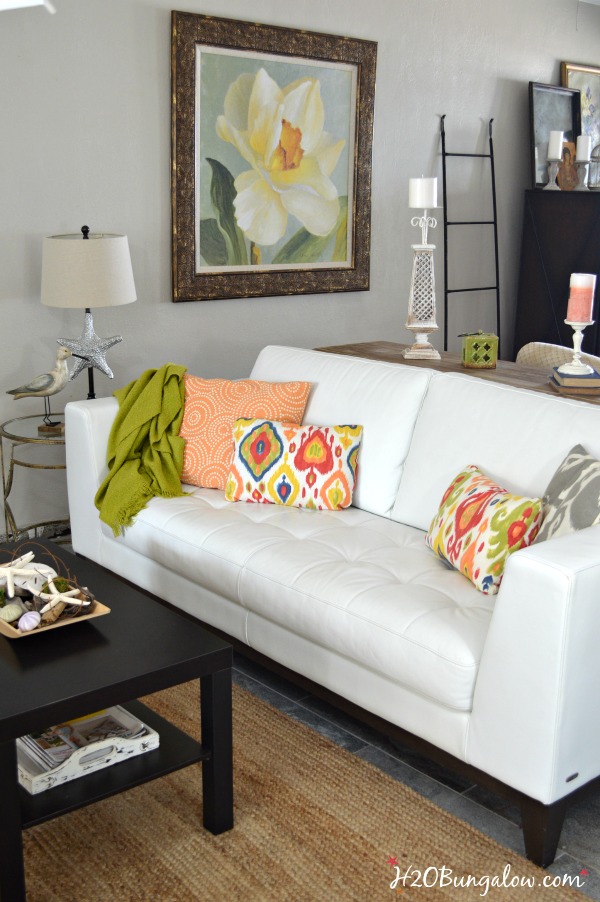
[555, 146]
[584, 149]
[422, 193]
[581, 298]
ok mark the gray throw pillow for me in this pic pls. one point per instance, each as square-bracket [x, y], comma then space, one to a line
[572, 498]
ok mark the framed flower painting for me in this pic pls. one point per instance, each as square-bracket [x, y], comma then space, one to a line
[271, 159]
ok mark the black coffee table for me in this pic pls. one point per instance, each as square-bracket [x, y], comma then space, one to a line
[139, 648]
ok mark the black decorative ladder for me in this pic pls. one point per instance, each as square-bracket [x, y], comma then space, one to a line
[448, 223]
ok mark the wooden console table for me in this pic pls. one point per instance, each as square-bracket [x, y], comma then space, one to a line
[506, 372]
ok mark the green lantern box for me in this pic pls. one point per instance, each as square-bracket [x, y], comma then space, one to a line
[479, 350]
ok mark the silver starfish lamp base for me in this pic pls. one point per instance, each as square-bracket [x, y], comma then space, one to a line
[90, 351]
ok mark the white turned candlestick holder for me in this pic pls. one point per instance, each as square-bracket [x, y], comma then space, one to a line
[576, 367]
[582, 175]
[552, 173]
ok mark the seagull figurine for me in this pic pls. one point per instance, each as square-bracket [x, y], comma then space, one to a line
[46, 384]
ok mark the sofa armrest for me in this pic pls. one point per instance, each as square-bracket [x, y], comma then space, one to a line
[536, 718]
[87, 428]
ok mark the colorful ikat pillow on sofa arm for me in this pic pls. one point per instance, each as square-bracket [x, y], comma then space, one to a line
[479, 524]
[297, 466]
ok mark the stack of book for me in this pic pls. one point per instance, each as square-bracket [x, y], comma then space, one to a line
[586, 385]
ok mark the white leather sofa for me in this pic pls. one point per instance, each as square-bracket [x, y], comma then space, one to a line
[503, 687]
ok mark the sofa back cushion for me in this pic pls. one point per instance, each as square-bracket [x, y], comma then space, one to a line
[383, 398]
[518, 437]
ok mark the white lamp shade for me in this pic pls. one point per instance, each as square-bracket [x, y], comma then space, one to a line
[92, 272]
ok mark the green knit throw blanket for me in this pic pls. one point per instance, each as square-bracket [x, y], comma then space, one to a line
[145, 452]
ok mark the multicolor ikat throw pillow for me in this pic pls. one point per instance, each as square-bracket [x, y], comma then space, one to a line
[299, 466]
[212, 407]
[479, 524]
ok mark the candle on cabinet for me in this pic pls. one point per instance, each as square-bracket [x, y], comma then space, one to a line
[422, 193]
[555, 146]
[581, 298]
[584, 149]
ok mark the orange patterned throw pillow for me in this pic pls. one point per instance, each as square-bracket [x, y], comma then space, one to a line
[211, 408]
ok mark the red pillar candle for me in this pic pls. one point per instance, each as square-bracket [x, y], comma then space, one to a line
[581, 298]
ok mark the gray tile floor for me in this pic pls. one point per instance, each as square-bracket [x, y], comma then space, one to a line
[579, 849]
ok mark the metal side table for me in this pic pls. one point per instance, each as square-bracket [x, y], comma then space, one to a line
[18, 432]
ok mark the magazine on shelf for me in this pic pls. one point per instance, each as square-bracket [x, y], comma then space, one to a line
[81, 746]
[54, 745]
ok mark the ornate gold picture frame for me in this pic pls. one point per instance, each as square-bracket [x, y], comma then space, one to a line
[271, 159]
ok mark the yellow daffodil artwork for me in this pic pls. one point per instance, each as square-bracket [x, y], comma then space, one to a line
[280, 134]
[279, 176]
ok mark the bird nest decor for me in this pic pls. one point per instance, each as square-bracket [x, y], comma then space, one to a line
[35, 596]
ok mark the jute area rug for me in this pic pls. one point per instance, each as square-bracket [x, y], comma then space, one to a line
[313, 822]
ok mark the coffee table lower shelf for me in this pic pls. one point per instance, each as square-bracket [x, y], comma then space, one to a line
[176, 750]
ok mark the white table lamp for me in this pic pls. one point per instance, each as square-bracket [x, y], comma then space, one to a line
[86, 271]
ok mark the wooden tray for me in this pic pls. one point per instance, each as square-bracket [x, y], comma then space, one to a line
[11, 632]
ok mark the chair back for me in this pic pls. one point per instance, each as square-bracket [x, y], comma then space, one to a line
[546, 356]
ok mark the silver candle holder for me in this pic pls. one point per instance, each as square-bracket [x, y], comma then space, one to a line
[582, 175]
[552, 174]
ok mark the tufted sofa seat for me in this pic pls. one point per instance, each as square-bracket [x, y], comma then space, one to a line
[502, 687]
[369, 585]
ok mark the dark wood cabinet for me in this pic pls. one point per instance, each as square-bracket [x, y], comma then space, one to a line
[561, 235]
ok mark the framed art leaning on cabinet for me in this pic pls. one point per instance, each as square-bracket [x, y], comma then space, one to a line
[551, 108]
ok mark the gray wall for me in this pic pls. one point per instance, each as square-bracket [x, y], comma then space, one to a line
[85, 119]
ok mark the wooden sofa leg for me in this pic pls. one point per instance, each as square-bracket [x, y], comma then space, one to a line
[542, 825]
